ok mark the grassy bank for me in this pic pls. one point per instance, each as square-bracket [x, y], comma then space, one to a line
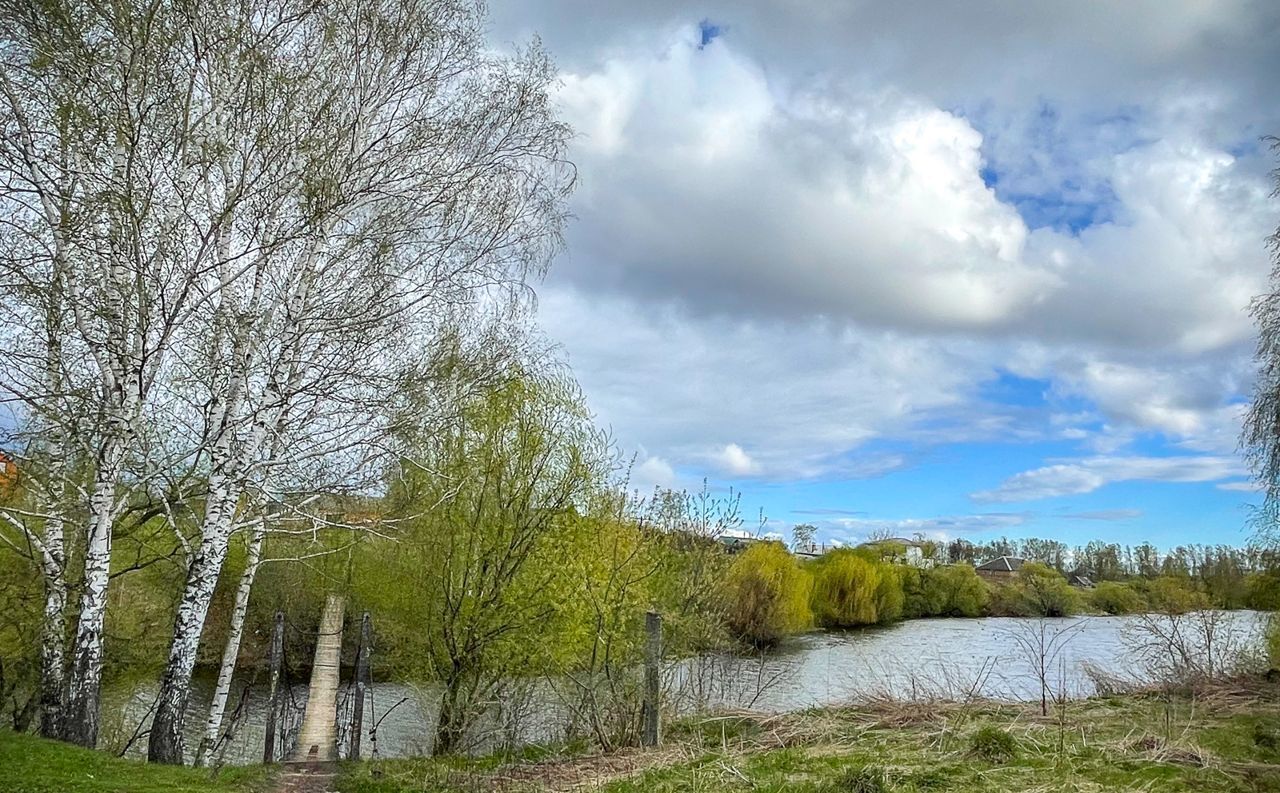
[35, 765]
[1224, 739]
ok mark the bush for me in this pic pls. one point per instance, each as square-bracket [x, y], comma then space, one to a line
[851, 590]
[945, 591]
[1263, 591]
[768, 595]
[1171, 595]
[959, 591]
[993, 745]
[1112, 597]
[1037, 591]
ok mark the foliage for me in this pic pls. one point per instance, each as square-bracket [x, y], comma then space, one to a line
[853, 588]
[1263, 591]
[1036, 591]
[1173, 595]
[993, 744]
[476, 583]
[1113, 597]
[768, 594]
[943, 591]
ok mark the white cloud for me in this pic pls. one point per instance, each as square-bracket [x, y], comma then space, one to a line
[795, 248]
[1241, 487]
[733, 461]
[798, 400]
[853, 530]
[652, 472]
[1104, 514]
[1089, 474]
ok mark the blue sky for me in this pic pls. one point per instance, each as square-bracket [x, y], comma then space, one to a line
[956, 270]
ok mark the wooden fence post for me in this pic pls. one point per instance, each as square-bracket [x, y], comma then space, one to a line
[362, 682]
[274, 694]
[652, 663]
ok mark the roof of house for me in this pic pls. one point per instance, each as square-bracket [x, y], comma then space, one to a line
[1003, 564]
[895, 541]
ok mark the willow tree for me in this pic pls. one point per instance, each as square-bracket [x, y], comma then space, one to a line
[477, 572]
[1260, 438]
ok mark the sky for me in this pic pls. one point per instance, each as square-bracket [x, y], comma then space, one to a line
[965, 269]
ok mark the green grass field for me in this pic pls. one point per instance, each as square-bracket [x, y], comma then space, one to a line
[35, 765]
[1225, 740]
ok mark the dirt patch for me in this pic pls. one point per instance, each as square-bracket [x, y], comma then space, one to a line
[307, 778]
[584, 773]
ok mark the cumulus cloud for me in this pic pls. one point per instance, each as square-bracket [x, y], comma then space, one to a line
[734, 461]
[803, 248]
[1089, 474]
[798, 400]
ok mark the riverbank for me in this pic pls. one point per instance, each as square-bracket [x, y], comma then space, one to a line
[1221, 738]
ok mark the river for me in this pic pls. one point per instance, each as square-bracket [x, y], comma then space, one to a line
[935, 658]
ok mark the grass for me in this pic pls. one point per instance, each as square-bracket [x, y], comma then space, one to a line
[1219, 741]
[35, 765]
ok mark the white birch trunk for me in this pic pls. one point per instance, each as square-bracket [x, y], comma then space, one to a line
[231, 652]
[166, 740]
[53, 649]
[84, 690]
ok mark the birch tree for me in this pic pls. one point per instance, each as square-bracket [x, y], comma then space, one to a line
[87, 306]
[420, 174]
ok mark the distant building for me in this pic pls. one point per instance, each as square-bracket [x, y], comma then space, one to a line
[903, 551]
[812, 550]
[736, 540]
[1001, 570]
[1082, 581]
[8, 472]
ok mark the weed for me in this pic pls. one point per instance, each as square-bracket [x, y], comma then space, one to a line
[861, 779]
[993, 745]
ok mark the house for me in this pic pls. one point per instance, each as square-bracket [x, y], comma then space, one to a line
[1078, 580]
[735, 540]
[903, 551]
[1001, 570]
[8, 472]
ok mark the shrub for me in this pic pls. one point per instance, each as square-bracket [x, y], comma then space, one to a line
[1263, 591]
[1037, 591]
[959, 591]
[768, 595]
[1171, 595]
[945, 591]
[850, 589]
[993, 745]
[861, 779]
[1112, 597]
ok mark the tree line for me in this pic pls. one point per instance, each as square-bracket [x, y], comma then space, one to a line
[774, 594]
